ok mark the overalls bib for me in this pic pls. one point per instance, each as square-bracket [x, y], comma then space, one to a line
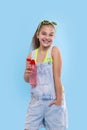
[45, 82]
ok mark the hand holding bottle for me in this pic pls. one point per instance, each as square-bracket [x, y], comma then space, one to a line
[28, 70]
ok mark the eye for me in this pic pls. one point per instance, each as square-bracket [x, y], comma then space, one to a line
[43, 33]
[51, 35]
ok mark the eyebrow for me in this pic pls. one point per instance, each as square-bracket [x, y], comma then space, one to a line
[51, 32]
[45, 32]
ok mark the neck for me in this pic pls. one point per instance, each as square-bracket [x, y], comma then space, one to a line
[43, 49]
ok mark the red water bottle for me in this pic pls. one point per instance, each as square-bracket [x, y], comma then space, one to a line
[33, 76]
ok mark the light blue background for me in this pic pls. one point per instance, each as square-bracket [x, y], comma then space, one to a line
[18, 22]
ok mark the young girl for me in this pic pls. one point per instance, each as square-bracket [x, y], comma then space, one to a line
[47, 107]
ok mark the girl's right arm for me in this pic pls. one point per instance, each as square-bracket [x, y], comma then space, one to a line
[27, 70]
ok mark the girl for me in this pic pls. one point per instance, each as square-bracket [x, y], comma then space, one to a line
[47, 107]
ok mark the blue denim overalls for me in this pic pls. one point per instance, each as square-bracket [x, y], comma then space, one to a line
[41, 96]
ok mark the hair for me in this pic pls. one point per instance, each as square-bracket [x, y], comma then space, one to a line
[35, 41]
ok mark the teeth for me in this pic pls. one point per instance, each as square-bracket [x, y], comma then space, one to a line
[46, 41]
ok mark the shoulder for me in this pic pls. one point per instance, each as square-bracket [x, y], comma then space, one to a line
[56, 52]
[29, 55]
[57, 60]
[32, 53]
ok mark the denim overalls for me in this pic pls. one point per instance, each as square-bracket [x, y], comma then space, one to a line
[39, 113]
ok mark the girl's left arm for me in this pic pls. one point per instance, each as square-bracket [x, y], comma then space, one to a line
[57, 66]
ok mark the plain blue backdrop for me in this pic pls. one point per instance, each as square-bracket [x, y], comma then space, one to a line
[18, 22]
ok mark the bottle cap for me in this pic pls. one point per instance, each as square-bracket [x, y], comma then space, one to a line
[33, 62]
[28, 59]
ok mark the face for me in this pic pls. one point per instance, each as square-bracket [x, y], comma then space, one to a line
[46, 35]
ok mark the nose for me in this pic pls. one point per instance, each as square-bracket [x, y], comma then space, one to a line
[47, 36]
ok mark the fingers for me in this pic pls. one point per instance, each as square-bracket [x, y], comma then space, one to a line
[55, 102]
[28, 71]
[28, 68]
[51, 103]
[28, 64]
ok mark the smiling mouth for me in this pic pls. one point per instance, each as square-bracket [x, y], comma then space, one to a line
[46, 41]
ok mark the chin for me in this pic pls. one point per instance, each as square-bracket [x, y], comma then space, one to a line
[46, 45]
